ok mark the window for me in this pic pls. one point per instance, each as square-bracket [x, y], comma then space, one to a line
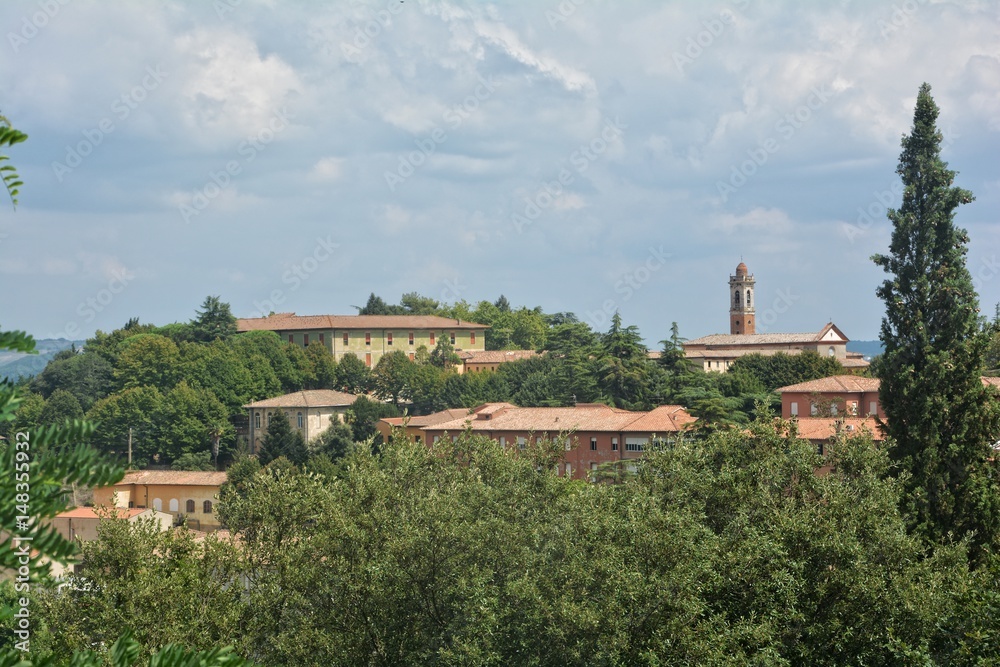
[831, 352]
[614, 444]
[388, 338]
[256, 419]
[833, 409]
[452, 337]
[569, 469]
[432, 338]
[322, 339]
[158, 504]
[853, 408]
[291, 338]
[269, 415]
[748, 299]
[368, 338]
[411, 356]
[174, 505]
[736, 298]
[189, 506]
[593, 466]
[503, 441]
[472, 338]
[813, 410]
[436, 438]
[593, 444]
[820, 449]
[635, 444]
[794, 409]
[206, 507]
[411, 338]
[368, 359]
[521, 442]
[305, 340]
[300, 420]
[345, 338]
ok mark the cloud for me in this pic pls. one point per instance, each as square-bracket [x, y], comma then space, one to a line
[328, 169]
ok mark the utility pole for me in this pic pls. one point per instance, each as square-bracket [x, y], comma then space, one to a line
[129, 446]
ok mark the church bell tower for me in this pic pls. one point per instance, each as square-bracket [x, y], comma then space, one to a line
[741, 296]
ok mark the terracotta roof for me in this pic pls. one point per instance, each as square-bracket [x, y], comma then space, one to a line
[991, 381]
[664, 419]
[824, 428]
[429, 420]
[769, 338]
[105, 512]
[741, 269]
[580, 418]
[173, 478]
[495, 356]
[836, 383]
[311, 398]
[293, 322]
[854, 362]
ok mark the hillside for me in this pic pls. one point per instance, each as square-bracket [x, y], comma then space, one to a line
[16, 364]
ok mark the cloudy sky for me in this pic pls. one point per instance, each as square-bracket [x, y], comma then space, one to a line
[583, 156]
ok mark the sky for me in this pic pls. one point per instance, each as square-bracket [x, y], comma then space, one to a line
[583, 155]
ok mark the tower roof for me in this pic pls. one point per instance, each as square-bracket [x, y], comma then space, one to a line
[741, 269]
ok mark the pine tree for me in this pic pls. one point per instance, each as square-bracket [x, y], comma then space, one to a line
[282, 440]
[941, 419]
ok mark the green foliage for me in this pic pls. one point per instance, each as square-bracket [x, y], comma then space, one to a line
[60, 407]
[941, 418]
[282, 440]
[8, 173]
[214, 321]
[365, 413]
[323, 367]
[352, 374]
[335, 442]
[148, 360]
[391, 378]
[781, 370]
[194, 461]
[444, 355]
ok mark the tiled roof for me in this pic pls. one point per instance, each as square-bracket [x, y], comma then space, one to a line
[824, 428]
[92, 513]
[311, 398]
[854, 362]
[580, 418]
[429, 420]
[990, 381]
[768, 338]
[293, 322]
[173, 477]
[495, 356]
[834, 384]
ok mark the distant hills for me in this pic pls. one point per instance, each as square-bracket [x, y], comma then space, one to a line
[16, 364]
[869, 348]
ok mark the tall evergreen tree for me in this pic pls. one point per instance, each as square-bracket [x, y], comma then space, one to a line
[282, 440]
[941, 418]
[214, 320]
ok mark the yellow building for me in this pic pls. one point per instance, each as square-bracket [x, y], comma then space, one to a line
[370, 336]
[476, 361]
[310, 412]
[192, 494]
[81, 522]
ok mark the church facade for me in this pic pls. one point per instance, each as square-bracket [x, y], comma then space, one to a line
[717, 352]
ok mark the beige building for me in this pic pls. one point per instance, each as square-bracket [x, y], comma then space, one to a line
[81, 523]
[192, 494]
[413, 426]
[310, 412]
[370, 336]
[717, 352]
[487, 361]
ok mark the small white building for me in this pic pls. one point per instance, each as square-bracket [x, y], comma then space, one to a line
[310, 412]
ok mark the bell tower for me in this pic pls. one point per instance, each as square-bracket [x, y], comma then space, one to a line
[741, 301]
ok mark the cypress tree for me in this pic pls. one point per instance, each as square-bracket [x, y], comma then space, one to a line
[941, 419]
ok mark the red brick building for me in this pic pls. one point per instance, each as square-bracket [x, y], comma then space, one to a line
[848, 395]
[593, 433]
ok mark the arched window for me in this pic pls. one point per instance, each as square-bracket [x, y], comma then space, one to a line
[174, 505]
[207, 507]
[269, 419]
[736, 298]
[749, 297]
[157, 504]
[189, 506]
[257, 420]
[300, 419]
[831, 352]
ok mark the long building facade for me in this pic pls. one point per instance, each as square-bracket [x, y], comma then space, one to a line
[370, 336]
